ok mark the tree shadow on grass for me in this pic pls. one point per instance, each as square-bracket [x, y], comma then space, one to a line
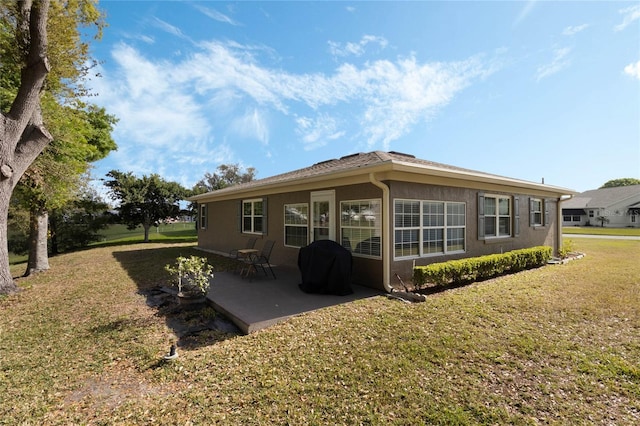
[194, 325]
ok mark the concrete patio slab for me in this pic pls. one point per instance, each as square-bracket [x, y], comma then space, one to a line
[260, 302]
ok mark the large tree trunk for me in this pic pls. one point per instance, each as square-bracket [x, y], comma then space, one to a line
[146, 226]
[38, 255]
[22, 134]
[7, 285]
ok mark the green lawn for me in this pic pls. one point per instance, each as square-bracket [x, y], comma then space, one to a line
[119, 234]
[593, 230]
[555, 345]
[183, 231]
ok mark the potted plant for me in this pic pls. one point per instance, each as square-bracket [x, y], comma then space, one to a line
[193, 276]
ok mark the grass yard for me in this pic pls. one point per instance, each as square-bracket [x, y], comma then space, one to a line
[594, 230]
[558, 344]
[174, 232]
[119, 234]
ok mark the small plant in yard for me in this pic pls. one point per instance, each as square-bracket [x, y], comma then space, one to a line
[567, 248]
[192, 274]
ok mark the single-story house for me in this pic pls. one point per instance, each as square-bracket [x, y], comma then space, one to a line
[391, 210]
[620, 206]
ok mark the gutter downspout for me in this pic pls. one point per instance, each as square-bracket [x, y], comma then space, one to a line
[559, 217]
[386, 249]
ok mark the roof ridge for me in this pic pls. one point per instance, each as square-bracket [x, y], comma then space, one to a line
[383, 155]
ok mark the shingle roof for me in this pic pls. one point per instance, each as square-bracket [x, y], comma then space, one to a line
[602, 198]
[354, 162]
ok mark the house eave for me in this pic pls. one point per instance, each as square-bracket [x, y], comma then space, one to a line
[389, 170]
[476, 180]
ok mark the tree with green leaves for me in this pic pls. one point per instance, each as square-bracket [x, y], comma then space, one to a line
[226, 175]
[79, 133]
[81, 136]
[614, 183]
[78, 222]
[144, 201]
[23, 135]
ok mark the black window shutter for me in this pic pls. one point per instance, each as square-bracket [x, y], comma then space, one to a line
[481, 216]
[239, 217]
[547, 214]
[516, 216]
[532, 215]
[265, 219]
[203, 212]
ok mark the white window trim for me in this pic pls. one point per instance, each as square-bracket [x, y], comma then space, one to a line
[497, 216]
[297, 225]
[377, 229]
[421, 228]
[252, 201]
[533, 212]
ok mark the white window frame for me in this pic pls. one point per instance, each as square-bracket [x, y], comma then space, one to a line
[303, 221]
[253, 216]
[444, 223]
[536, 212]
[496, 216]
[362, 218]
[449, 226]
[408, 228]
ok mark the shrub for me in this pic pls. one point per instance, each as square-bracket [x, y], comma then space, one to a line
[567, 248]
[192, 274]
[461, 271]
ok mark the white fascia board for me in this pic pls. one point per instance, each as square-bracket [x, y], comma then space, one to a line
[476, 177]
[322, 180]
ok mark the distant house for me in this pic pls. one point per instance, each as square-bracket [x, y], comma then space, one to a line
[620, 207]
[391, 210]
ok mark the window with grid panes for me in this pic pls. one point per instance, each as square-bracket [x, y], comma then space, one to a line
[252, 215]
[440, 230]
[360, 226]
[497, 216]
[296, 225]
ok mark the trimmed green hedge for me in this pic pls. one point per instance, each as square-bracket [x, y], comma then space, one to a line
[472, 269]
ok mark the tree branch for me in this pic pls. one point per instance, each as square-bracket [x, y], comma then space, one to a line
[34, 73]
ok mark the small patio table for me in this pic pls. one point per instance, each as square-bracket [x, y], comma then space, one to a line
[244, 254]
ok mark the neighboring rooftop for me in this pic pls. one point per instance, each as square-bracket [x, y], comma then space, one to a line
[602, 198]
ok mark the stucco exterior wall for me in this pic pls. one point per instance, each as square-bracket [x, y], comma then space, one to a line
[529, 236]
[223, 231]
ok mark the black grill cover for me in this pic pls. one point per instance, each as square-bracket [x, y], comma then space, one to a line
[326, 268]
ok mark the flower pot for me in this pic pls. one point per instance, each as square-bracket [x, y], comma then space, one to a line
[185, 298]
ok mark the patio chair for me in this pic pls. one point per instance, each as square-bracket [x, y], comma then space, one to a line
[261, 260]
[251, 243]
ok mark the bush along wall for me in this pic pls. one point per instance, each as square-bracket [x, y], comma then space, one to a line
[456, 272]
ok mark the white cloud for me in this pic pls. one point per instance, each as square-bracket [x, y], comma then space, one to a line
[633, 70]
[317, 132]
[251, 125]
[572, 30]
[168, 28]
[141, 37]
[629, 15]
[558, 63]
[524, 12]
[356, 49]
[171, 112]
[215, 15]
[157, 119]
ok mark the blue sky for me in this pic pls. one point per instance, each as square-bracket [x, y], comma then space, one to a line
[525, 89]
